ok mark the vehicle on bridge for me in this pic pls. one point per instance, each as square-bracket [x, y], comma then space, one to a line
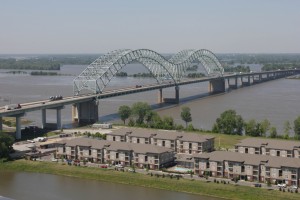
[12, 106]
[54, 98]
[138, 86]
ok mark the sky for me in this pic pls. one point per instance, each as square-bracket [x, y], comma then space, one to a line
[165, 26]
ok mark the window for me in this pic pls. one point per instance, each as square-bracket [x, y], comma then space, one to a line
[163, 143]
[243, 168]
[146, 158]
[90, 152]
[138, 140]
[114, 138]
[246, 150]
[280, 172]
[207, 165]
[278, 153]
[64, 149]
[117, 155]
[190, 145]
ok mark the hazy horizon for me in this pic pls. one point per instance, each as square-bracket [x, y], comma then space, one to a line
[97, 27]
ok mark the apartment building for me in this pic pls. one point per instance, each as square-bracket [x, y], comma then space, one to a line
[249, 167]
[191, 143]
[180, 142]
[83, 148]
[271, 147]
[126, 154]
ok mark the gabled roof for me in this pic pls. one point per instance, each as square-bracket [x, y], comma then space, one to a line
[250, 159]
[269, 143]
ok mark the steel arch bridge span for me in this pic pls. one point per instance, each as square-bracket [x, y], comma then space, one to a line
[99, 73]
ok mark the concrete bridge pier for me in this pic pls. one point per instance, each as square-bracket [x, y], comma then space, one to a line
[233, 86]
[85, 112]
[18, 126]
[160, 96]
[217, 86]
[44, 118]
[247, 82]
[173, 100]
[58, 118]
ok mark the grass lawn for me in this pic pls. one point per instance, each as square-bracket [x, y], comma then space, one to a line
[188, 186]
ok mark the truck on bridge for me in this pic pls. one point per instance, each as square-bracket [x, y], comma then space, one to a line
[12, 106]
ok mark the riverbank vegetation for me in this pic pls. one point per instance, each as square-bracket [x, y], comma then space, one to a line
[30, 63]
[239, 68]
[228, 123]
[6, 142]
[227, 191]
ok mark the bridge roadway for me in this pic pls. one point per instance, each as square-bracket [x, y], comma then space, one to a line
[59, 104]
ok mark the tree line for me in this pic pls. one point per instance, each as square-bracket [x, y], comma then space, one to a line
[140, 114]
[229, 122]
[6, 143]
[32, 63]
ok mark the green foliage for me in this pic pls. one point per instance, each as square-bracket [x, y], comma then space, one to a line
[32, 63]
[41, 73]
[193, 68]
[121, 74]
[252, 128]
[287, 127]
[6, 142]
[195, 75]
[143, 75]
[239, 68]
[124, 112]
[168, 123]
[229, 123]
[297, 126]
[139, 110]
[265, 127]
[273, 132]
[131, 122]
[186, 115]
[190, 127]
[279, 66]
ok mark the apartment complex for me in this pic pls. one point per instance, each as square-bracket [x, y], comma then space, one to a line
[180, 142]
[126, 154]
[249, 167]
[269, 147]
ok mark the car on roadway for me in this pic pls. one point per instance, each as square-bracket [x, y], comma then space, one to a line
[283, 185]
[294, 187]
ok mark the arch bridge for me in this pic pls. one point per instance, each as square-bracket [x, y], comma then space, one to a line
[97, 75]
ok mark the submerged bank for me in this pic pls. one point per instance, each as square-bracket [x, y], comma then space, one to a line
[135, 179]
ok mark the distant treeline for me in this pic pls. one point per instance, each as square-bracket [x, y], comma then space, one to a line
[32, 63]
[272, 67]
[41, 73]
[195, 75]
[193, 68]
[239, 68]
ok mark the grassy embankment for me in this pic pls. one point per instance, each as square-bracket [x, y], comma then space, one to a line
[188, 186]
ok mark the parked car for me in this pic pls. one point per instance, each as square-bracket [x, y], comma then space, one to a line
[257, 185]
[54, 98]
[294, 187]
[119, 166]
[103, 166]
[281, 185]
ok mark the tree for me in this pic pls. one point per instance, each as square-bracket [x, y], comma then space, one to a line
[168, 123]
[297, 127]
[186, 115]
[149, 116]
[124, 112]
[140, 109]
[229, 123]
[6, 142]
[287, 127]
[273, 132]
[264, 127]
[251, 128]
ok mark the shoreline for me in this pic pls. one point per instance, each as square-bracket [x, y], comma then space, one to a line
[209, 189]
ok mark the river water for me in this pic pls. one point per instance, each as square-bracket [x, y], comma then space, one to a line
[34, 186]
[277, 101]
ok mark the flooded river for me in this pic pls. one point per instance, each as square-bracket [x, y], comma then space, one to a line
[276, 101]
[33, 186]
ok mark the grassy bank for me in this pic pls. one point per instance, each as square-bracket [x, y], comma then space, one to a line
[188, 186]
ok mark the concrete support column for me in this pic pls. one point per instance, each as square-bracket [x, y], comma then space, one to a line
[160, 96]
[43, 118]
[177, 94]
[217, 85]
[87, 112]
[18, 127]
[75, 113]
[58, 118]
